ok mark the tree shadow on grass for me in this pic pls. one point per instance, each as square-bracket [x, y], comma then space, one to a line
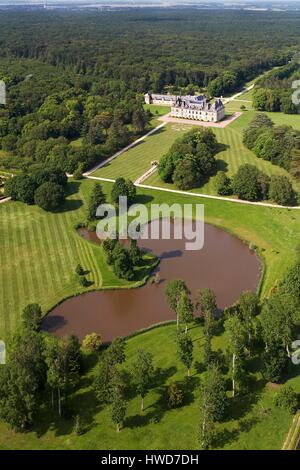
[227, 436]
[72, 188]
[83, 404]
[70, 205]
[143, 199]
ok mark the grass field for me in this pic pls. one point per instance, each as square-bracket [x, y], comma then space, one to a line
[230, 159]
[38, 254]
[137, 160]
[252, 421]
[39, 251]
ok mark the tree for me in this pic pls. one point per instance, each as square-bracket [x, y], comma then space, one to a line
[287, 398]
[103, 380]
[21, 380]
[96, 198]
[213, 402]
[185, 350]
[118, 408]
[206, 301]
[173, 290]
[73, 359]
[138, 119]
[122, 263]
[223, 184]
[32, 317]
[143, 373]
[92, 342]
[135, 253]
[248, 304]
[281, 190]
[95, 134]
[236, 334]
[18, 396]
[246, 183]
[20, 188]
[62, 359]
[116, 352]
[186, 174]
[78, 173]
[123, 187]
[278, 319]
[49, 196]
[175, 396]
[185, 309]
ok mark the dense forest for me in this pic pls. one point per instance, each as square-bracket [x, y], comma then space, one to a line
[75, 81]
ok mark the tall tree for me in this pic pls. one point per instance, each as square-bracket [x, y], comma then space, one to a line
[206, 303]
[236, 333]
[248, 304]
[185, 309]
[213, 403]
[143, 373]
[32, 317]
[97, 197]
[173, 290]
[185, 350]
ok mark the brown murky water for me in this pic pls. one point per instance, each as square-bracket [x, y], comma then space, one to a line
[225, 264]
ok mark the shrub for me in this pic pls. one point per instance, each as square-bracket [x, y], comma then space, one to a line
[175, 396]
[79, 270]
[78, 173]
[281, 190]
[223, 184]
[83, 281]
[287, 398]
[92, 342]
[49, 196]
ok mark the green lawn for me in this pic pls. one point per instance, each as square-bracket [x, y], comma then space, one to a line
[39, 251]
[137, 160]
[235, 105]
[246, 426]
[38, 255]
[229, 159]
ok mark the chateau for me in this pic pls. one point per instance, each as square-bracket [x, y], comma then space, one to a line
[197, 108]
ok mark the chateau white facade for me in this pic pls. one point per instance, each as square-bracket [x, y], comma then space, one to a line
[196, 108]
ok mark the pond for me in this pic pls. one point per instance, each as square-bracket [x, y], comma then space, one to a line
[225, 264]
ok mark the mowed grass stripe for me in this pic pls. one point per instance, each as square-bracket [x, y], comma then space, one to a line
[137, 160]
[4, 276]
[24, 281]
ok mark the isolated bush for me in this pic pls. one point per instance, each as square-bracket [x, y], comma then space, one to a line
[175, 396]
[287, 398]
[92, 342]
[79, 270]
